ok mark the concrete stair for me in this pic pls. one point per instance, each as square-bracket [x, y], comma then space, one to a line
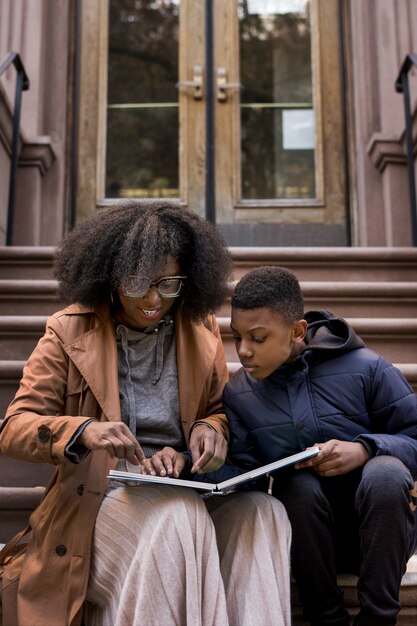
[352, 299]
[28, 297]
[337, 264]
[408, 597]
[394, 340]
[362, 299]
[19, 335]
[352, 264]
[22, 262]
[375, 289]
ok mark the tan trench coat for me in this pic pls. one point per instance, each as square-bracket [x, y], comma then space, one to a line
[71, 375]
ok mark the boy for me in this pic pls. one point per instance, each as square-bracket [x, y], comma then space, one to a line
[308, 380]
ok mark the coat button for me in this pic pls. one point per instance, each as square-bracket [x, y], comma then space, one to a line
[80, 489]
[60, 550]
[44, 434]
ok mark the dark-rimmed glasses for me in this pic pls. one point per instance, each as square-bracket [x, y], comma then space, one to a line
[167, 287]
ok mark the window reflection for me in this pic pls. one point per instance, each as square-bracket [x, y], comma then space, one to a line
[142, 111]
[277, 115]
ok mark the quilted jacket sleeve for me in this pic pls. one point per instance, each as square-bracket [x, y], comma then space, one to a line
[392, 406]
[241, 449]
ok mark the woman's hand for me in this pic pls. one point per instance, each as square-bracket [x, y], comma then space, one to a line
[115, 438]
[336, 457]
[166, 462]
[208, 449]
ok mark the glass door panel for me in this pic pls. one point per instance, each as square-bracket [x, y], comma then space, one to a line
[278, 136]
[280, 156]
[142, 109]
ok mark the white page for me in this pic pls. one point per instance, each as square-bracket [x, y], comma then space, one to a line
[265, 469]
[219, 488]
[132, 477]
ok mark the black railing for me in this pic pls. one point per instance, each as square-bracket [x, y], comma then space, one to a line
[402, 86]
[22, 84]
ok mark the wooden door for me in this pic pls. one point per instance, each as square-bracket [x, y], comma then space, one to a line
[280, 167]
[279, 175]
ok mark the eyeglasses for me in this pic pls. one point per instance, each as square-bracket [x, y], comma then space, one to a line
[167, 287]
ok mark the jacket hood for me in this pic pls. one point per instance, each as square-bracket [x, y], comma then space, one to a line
[327, 332]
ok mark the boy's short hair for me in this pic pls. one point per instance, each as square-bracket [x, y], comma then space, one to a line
[274, 287]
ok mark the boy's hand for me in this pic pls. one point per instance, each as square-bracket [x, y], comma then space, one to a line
[166, 462]
[208, 449]
[336, 457]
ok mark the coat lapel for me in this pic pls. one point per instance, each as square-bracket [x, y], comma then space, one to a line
[95, 355]
[196, 350]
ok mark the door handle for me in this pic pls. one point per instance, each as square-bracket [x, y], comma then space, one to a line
[196, 84]
[223, 85]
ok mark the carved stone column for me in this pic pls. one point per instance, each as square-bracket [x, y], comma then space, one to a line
[381, 35]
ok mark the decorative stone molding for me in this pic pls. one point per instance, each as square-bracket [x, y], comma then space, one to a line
[386, 149]
[37, 152]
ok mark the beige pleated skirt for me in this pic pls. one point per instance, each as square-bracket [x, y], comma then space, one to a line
[163, 556]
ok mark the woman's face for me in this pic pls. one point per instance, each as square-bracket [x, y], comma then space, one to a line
[148, 309]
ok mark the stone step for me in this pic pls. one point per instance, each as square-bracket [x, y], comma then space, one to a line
[29, 297]
[362, 299]
[22, 486]
[408, 597]
[16, 506]
[323, 264]
[11, 373]
[308, 263]
[24, 262]
[17, 503]
[13, 520]
[371, 287]
[355, 299]
[14, 473]
[394, 339]
[348, 299]
[19, 335]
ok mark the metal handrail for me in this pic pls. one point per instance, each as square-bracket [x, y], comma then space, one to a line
[402, 86]
[22, 84]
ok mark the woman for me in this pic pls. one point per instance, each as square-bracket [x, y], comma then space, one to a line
[131, 373]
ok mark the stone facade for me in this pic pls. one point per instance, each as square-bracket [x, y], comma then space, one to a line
[376, 37]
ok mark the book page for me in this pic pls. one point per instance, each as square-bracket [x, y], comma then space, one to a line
[134, 478]
[220, 488]
[271, 467]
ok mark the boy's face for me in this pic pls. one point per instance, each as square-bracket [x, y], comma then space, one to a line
[264, 341]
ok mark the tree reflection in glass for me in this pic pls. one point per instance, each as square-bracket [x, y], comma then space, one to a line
[142, 110]
[277, 114]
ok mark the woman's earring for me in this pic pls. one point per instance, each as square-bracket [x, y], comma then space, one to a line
[111, 298]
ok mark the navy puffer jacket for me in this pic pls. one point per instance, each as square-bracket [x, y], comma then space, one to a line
[335, 389]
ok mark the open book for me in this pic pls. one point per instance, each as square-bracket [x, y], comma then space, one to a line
[214, 488]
